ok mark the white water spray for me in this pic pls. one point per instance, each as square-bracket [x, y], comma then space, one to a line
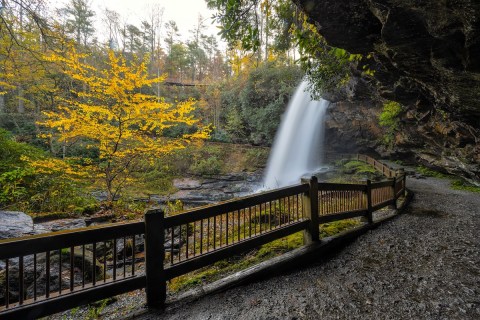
[298, 146]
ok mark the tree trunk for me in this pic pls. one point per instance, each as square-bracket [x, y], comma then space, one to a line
[21, 104]
[2, 102]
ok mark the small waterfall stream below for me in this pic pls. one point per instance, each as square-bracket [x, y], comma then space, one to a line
[298, 146]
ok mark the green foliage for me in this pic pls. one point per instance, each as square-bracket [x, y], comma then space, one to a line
[352, 171]
[456, 184]
[209, 166]
[335, 227]
[253, 105]
[256, 158]
[460, 184]
[237, 22]
[95, 309]
[359, 167]
[389, 115]
[389, 118]
[25, 188]
[326, 67]
[430, 173]
[174, 207]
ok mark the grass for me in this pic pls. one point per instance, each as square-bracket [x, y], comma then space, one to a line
[463, 185]
[431, 173]
[353, 171]
[455, 183]
[263, 253]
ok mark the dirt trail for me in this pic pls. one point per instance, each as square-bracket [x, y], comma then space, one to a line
[424, 264]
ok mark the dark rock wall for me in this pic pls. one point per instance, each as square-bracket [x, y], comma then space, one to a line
[426, 55]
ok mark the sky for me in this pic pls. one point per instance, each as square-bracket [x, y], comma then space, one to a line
[183, 12]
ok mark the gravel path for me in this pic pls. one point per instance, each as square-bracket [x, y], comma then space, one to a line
[424, 264]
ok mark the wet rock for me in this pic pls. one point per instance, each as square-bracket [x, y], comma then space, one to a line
[59, 225]
[56, 278]
[15, 224]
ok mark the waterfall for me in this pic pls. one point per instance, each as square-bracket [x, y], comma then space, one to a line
[298, 146]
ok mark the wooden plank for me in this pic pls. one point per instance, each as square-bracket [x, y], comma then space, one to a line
[342, 215]
[45, 307]
[325, 186]
[232, 205]
[383, 204]
[382, 184]
[226, 252]
[15, 247]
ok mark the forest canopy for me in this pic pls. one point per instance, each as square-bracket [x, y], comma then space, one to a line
[105, 112]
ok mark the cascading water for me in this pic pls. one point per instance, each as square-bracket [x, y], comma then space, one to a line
[298, 145]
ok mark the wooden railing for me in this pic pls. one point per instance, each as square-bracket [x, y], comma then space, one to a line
[49, 273]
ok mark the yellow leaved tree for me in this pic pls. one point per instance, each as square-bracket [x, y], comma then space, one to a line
[111, 112]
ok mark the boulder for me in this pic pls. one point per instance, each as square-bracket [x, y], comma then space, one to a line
[15, 224]
[59, 225]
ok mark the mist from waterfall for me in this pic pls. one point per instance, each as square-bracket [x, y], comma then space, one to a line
[298, 146]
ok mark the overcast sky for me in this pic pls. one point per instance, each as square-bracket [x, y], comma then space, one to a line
[184, 12]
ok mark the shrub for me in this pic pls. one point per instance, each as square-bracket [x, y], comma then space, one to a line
[209, 166]
[390, 120]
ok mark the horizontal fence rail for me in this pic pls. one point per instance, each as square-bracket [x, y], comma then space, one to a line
[53, 272]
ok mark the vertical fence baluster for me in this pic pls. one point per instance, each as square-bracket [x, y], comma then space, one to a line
[194, 238]
[221, 229]
[59, 271]
[208, 235]
[288, 213]
[114, 259]
[172, 242]
[269, 215]
[295, 207]
[34, 277]
[226, 228]
[244, 224]
[7, 283]
[72, 267]
[214, 232]
[187, 236]
[238, 226]
[249, 222]
[104, 261]
[21, 281]
[260, 218]
[133, 255]
[124, 257]
[83, 266]
[47, 275]
[201, 236]
[94, 259]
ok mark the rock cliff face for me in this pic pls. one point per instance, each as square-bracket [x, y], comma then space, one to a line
[426, 56]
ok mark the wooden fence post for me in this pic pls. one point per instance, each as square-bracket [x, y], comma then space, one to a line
[154, 256]
[369, 202]
[400, 173]
[394, 192]
[310, 202]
